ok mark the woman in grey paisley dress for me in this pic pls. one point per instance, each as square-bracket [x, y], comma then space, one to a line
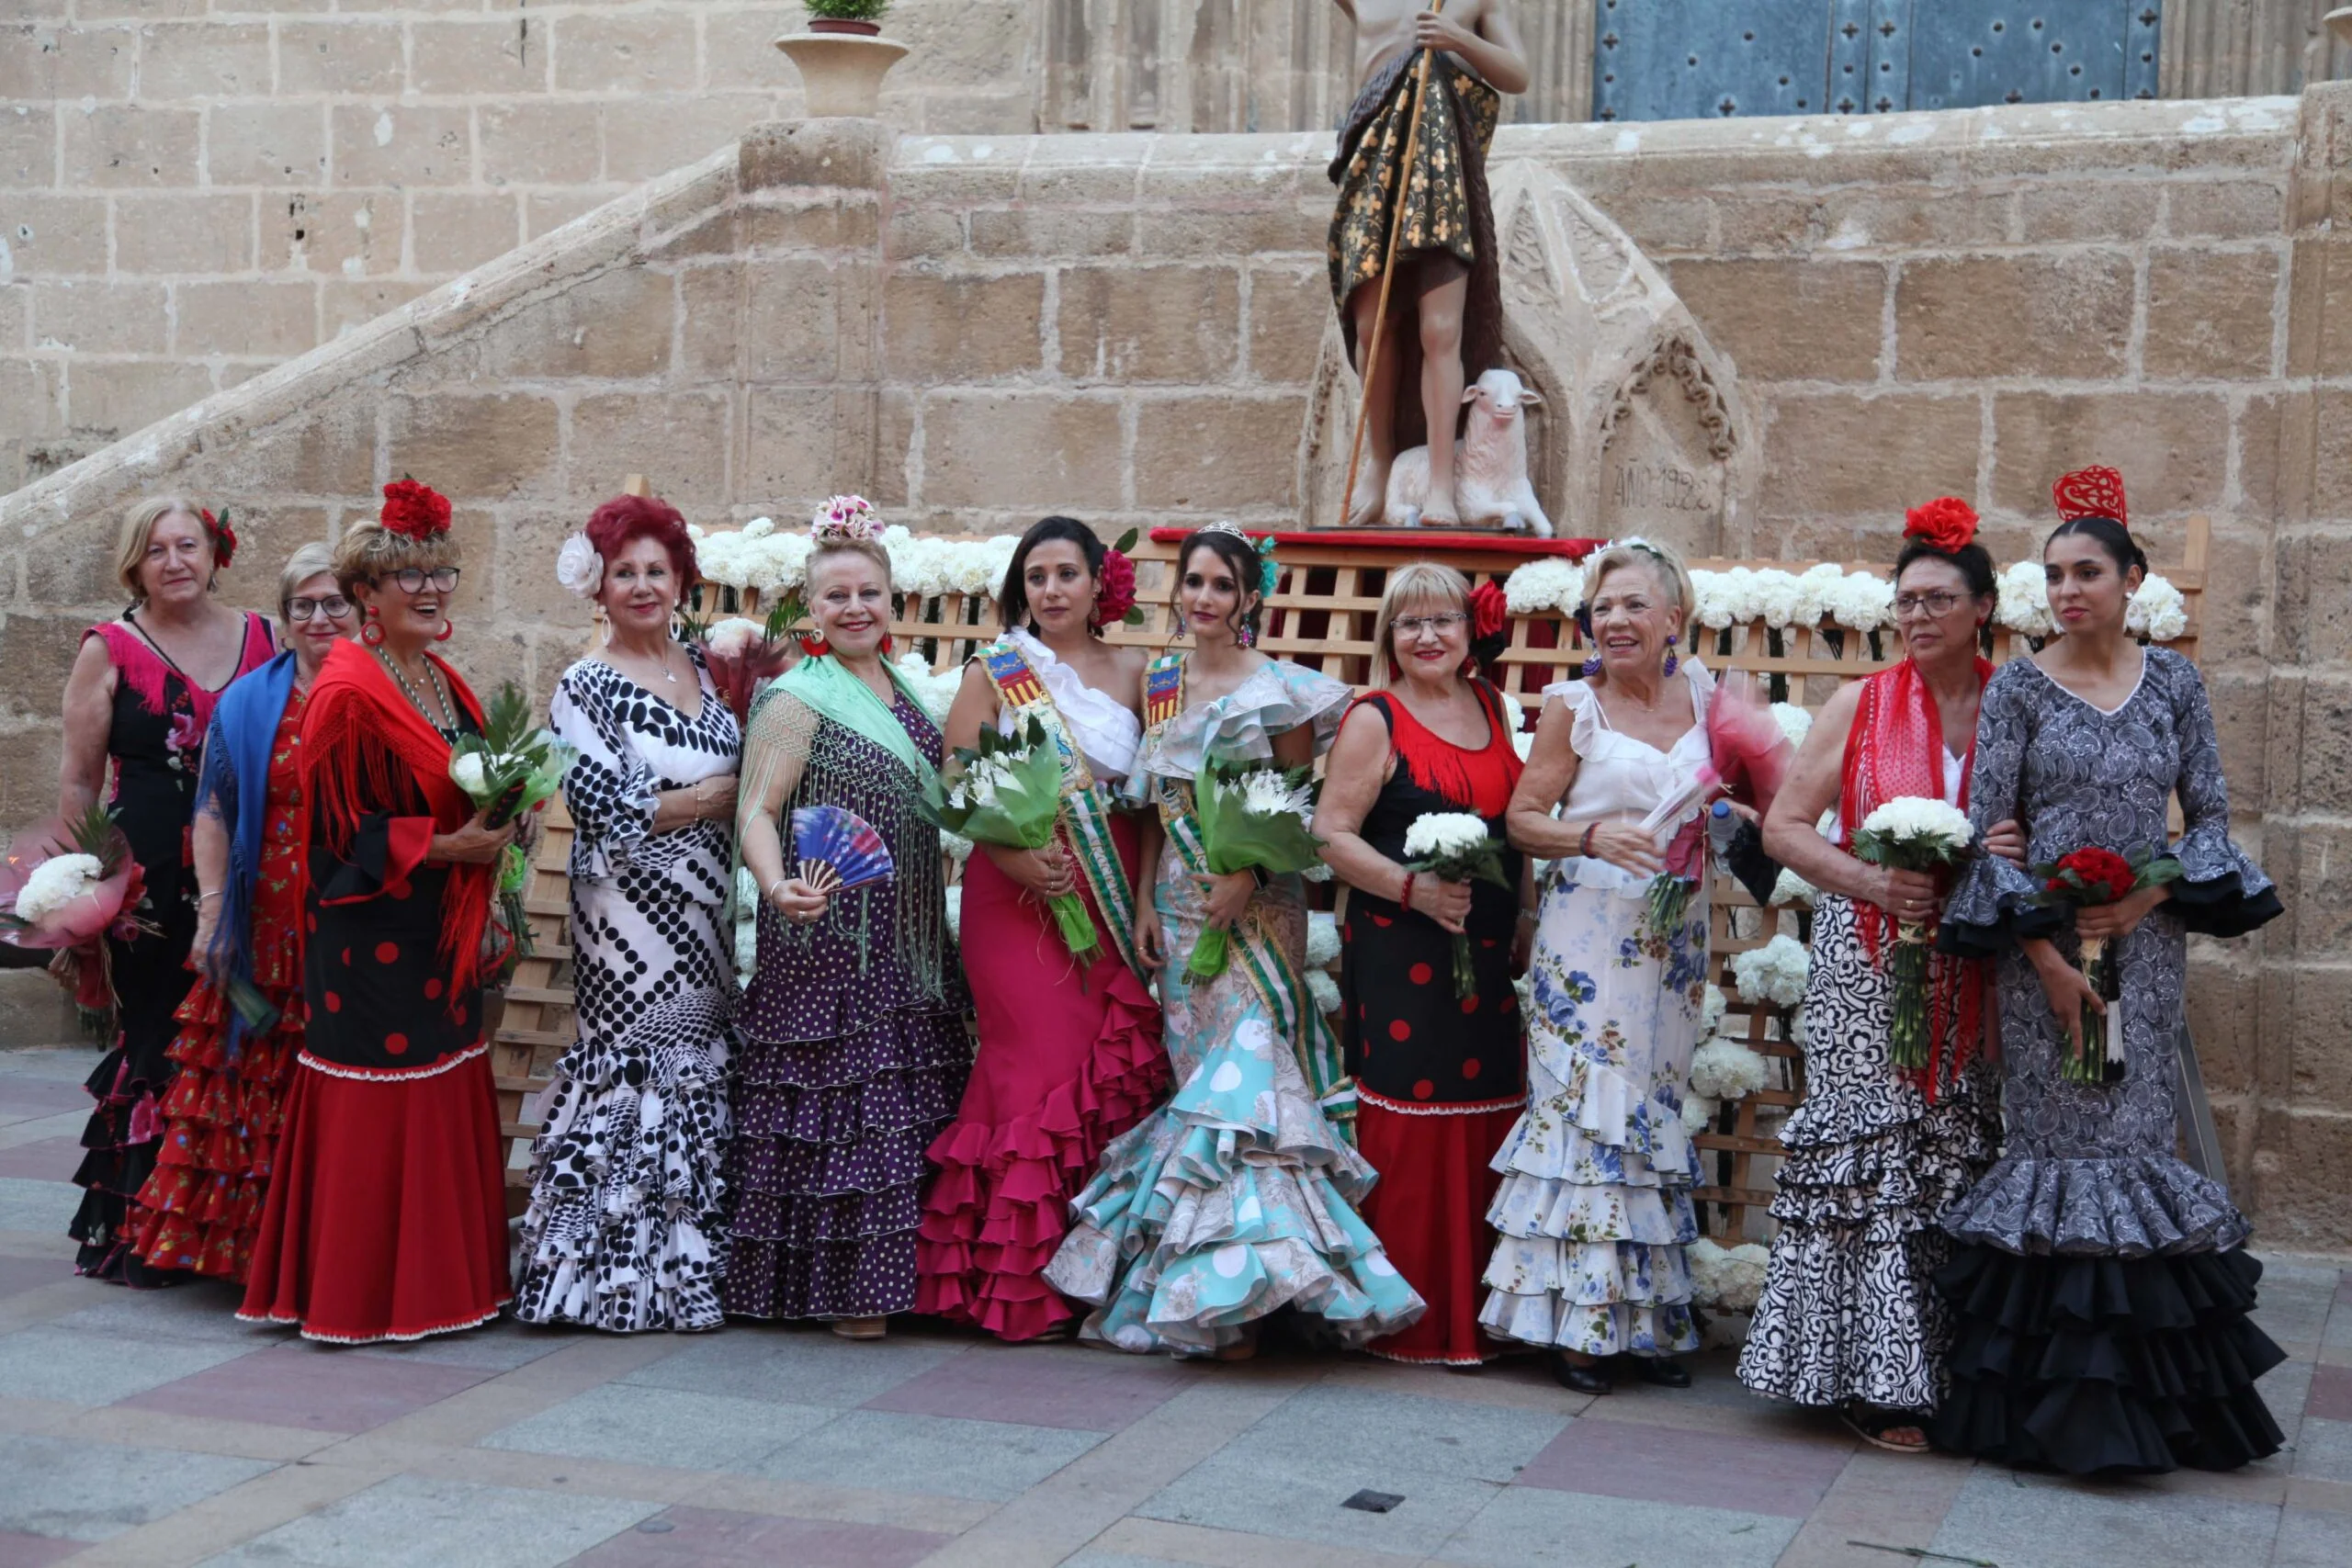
[2100, 1286]
[623, 1232]
[854, 1047]
[1849, 1318]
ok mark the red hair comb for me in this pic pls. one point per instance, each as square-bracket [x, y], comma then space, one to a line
[2090, 492]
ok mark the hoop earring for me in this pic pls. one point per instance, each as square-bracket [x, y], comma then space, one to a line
[1672, 663]
[448, 625]
[372, 633]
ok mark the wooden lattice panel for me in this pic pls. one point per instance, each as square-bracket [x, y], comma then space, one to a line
[1321, 614]
[535, 1024]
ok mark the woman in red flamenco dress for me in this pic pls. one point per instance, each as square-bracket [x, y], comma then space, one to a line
[386, 1217]
[1069, 1057]
[201, 1206]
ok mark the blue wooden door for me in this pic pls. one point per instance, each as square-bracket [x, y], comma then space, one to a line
[1689, 59]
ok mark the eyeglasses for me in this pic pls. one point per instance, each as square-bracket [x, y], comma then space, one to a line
[1412, 626]
[334, 608]
[1938, 604]
[413, 578]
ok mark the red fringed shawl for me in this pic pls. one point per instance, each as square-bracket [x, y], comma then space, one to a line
[1897, 748]
[367, 750]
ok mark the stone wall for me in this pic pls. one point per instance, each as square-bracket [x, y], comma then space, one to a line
[977, 329]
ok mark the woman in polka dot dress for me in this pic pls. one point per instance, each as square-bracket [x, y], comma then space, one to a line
[387, 1215]
[1595, 1207]
[1438, 1078]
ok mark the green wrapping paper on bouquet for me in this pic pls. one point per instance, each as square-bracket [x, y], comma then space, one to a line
[512, 767]
[1007, 791]
[1252, 816]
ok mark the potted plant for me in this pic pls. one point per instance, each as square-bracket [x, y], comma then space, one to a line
[842, 58]
[862, 18]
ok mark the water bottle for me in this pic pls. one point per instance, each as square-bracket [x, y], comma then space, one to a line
[1722, 826]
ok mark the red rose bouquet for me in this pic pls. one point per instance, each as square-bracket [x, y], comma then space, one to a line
[2088, 877]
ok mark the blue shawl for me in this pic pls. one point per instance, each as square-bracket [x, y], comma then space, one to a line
[235, 784]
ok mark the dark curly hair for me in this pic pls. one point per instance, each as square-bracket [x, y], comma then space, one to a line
[625, 519]
[1012, 596]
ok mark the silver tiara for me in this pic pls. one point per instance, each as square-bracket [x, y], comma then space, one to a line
[1225, 525]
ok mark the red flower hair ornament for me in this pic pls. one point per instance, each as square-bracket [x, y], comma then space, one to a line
[417, 511]
[2091, 493]
[1114, 593]
[1945, 523]
[224, 539]
[1489, 610]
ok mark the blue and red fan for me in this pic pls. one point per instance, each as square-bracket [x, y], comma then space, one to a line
[838, 848]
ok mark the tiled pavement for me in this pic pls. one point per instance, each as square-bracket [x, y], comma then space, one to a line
[152, 1429]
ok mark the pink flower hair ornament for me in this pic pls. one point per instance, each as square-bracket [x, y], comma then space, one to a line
[846, 519]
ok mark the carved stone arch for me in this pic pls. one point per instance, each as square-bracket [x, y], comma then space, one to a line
[1641, 429]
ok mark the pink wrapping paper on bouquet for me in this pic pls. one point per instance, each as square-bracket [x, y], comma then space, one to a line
[107, 907]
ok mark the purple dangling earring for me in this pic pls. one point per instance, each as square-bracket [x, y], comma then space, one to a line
[1672, 663]
[1247, 635]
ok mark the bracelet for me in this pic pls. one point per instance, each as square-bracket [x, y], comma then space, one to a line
[1405, 899]
[774, 885]
[1584, 845]
[202, 897]
[1528, 917]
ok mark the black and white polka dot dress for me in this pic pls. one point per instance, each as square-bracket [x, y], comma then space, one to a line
[624, 1230]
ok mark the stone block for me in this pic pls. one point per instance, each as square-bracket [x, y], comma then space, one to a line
[51, 234]
[1022, 450]
[739, 45]
[806, 442]
[2066, 315]
[2222, 1007]
[39, 649]
[852, 154]
[1151, 323]
[484, 57]
[532, 142]
[792, 323]
[648, 135]
[333, 234]
[485, 448]
[2328, 414]
[2212, 315]
[184, 232]
[2259, 453]
[2323, 890]
[1045, 231]
[614, 325]
[964, 44]
[1790, 321]
[16, 317]
[208, 59]
[265, 144]
[1662, 227]
[1222, 454]
[74, 566]
[2235, 209]
[2173, 447]
[32, 399]
[346, 56]
[2301, 1171]
[2324, 760]
[894, 446]
[1002, 111]
[1270, 229]
[789, 224]
[101, 317]
[127, 145]
[2240, 701]
[1862, 216]
[623, 55]
[345, 304]
[2235, 619]
[58, 62]
[925, 233]
[2314, 576]
[545, 212]
[944, 329]
[329, 454]
[710, 322]
[2062, 210]
[1289, 307]
[402, 144]
[29, 789]
[249, 319]
[456, 231]
[1847, 455]
[686, 438]
[124, 396]
[2320, 1053]
[28, 149]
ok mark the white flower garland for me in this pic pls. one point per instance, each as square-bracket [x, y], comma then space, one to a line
[1322, 938]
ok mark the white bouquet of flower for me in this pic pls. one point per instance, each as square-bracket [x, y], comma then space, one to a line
[1546, 583]
[1727, 1069]
[1698, 1113]
[1912, 833]
[56, 882]
[1250, 817]
[1789, 888]
[1729, 1279]
[1711, 1012]
[2023, 599]
[1796, 722]
[1455, 846]
[1324, 989]
[1773, 973]
[1322, 938]
[2157, 611]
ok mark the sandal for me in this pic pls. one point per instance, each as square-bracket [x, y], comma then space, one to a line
[861, 1327]
[1876, 1427]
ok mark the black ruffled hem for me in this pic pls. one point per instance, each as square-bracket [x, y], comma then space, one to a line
[2114, 1365]
[2019, 920]
[2221, 906]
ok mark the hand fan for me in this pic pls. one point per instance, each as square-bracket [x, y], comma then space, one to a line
[838, 849]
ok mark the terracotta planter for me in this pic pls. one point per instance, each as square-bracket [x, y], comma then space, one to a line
[844, 25]
[842, 71]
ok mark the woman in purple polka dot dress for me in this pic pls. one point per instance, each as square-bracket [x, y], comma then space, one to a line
[854, 1045]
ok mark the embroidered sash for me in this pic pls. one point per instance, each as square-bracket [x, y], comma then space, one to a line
[1086, 804]
[1281, 984]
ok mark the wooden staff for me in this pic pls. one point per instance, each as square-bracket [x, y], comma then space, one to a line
[1388, 273]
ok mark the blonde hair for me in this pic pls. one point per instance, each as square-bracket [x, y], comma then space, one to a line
[871, 549]
[1659, 559]
[139, 532]
[1422, 582]
[300, 567]
[369, 552]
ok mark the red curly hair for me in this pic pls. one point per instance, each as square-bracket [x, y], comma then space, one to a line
[625, 519]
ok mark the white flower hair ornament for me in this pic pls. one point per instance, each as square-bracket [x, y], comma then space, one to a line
[848, 519]
[579, 567]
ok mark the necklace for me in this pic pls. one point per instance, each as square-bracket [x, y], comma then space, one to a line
[448, 724]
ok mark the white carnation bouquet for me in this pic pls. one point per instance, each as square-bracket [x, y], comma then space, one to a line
[1773, 973]
[1912, 833]
[2157, 611]
[513, 766]
[1727, 1069]
[1251, 817]
[1455, 846]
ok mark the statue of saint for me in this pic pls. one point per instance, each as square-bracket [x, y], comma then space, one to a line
[1445, 308]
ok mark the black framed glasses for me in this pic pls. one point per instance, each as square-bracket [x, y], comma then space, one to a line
[413, 578]
[335, 607]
